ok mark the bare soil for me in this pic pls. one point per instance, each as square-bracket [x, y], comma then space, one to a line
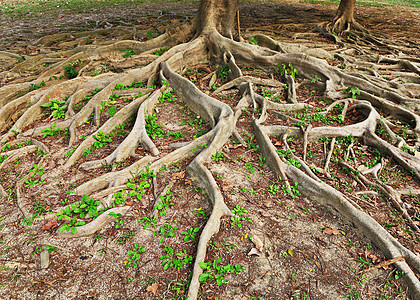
[304, 250]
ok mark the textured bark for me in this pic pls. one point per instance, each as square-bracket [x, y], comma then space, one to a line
[344, 17]
[218, 14]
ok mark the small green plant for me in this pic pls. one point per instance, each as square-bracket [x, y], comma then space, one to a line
[287, 70]
[70, 71]
[398, 274]
[294, 162]
[352, 91]
[167, 96]
[138, 187]
[315, 79]
[218, 157]
[239, 212]
[101, 140]
[125, 236]
[200, 213]
[135, 256]
[265, 93]
[212, 270]
[250, 168]
[165, 231]
[86, 207]
[295, 189]
[118, 199]
[273, 189]
[35, 86]
[223, 72]
[163, 204]
[154, 129]
[56, 107]
[175, 260]
[118, 222]
[36, 170]
[253, 41]
[190, 234]
[50, 248]
[51, 131]
[160, 51]
[133, 85]
[128, 53]
[31, 183]
[148, 221]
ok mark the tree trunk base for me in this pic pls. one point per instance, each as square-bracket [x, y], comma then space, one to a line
[375, 94]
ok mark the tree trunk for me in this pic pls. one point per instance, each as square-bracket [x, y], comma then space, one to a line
[344, 16]
[219, 15]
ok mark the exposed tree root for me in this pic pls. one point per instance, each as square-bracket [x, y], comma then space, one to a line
[16, 114]
[97, 224]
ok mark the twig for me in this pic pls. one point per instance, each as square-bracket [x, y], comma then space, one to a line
[327, 162]
[384, 264]
[162, 194]
[305, 140]
[238, 23]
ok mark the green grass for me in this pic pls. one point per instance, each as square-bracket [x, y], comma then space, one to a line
[23, 7]
[35, 7]
[375, 3]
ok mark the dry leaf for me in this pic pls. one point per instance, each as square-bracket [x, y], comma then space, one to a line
[50, 224]
[189, 182]
[197, 196]
[331, 231]
[178, 175]
[232, 146]
[257, 242]
[290, 251]
[153, 288]
[254, 251]
[129, 203]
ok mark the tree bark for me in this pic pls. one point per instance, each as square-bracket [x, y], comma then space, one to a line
[219, 15]
[344, 16]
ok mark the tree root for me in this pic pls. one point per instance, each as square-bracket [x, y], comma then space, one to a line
[391, 194]
[326, 195]
[209, 44]
[96, 225]
[130, 143]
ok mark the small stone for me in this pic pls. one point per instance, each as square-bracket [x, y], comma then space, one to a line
[45, 259]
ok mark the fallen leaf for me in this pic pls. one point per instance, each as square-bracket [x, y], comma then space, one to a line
[197, 196]
[264, 213]
[189, 182]
[225, 188]
[178, 175]
[129, 203]
[331, 231]
[50, 224]
[290, 251]
[268, 203]
[254, 251]
[231, 146]
[153, 288]
[257, 242]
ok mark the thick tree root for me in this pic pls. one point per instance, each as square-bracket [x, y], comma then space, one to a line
[326, 195]
[375, 93]
[97, 224]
